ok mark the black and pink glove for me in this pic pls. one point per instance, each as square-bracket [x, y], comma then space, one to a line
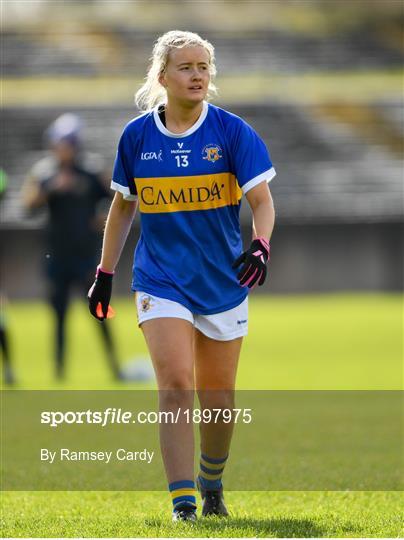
[255, 259]
[99, 295]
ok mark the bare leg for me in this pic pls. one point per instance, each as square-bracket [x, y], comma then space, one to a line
[170, 342]
[215, 372]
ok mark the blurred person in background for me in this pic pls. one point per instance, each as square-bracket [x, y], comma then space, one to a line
[187, 164]
[8, 372]
[70, 183]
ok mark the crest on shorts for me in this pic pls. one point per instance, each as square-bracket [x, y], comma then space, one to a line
[212, 152]
[145, 303]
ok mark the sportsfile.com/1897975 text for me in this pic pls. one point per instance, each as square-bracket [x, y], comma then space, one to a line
[113, 415]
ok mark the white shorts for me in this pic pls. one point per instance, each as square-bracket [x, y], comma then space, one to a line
[224, 326]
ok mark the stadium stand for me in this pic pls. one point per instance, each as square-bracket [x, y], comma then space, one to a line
[339, 189]
[123, 50]
[327, 170]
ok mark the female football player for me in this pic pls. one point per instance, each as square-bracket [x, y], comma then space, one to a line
[186, 164]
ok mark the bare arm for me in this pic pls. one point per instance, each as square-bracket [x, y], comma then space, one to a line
[260, 200]
[119, 221]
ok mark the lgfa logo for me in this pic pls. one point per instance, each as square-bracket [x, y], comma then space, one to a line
[152, 155]
[212, 152]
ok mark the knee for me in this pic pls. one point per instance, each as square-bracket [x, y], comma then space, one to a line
[176, 389]
[216, 399]
[175, 380]
[176, 398]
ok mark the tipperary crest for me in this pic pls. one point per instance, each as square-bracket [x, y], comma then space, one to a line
[145, 302]
[212, 152]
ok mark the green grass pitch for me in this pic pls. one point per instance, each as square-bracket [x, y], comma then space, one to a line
[336, 342]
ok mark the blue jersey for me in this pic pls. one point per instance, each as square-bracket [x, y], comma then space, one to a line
[189, 187]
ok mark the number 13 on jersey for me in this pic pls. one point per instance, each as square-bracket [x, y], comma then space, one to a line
[182, 161]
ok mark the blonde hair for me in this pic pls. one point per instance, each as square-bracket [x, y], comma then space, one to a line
[152, 93]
